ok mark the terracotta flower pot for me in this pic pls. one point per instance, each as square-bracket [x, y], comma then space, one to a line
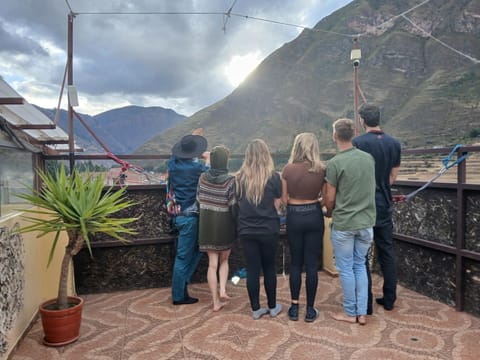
[61, 327]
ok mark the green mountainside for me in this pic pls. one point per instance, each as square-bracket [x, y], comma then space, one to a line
[429, 94]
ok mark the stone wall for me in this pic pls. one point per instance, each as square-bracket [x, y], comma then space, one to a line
[432, 215]
[12, 281]
[472, 221]
[147, 261]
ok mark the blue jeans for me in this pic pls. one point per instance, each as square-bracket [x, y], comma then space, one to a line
[350, 249]
[187, 256]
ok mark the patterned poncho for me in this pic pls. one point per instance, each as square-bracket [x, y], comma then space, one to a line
[217, 204]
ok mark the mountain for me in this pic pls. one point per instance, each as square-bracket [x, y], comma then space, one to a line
[429, 94]
[122, 130]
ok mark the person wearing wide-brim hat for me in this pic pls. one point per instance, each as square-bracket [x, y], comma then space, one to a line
[189, 147]
[184, 170]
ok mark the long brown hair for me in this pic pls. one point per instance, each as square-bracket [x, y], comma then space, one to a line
[256, 169]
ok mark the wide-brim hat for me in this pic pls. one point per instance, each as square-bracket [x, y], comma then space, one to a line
[191, 146]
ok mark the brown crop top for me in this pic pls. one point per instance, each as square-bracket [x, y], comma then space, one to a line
[302, 184]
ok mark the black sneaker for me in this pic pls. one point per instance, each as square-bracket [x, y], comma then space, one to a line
[186, 301]
[293, 312]
[311, 314]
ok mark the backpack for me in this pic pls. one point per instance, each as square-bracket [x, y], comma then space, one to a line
[173, 209]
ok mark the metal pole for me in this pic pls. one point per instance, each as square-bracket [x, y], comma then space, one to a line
[355, 98]
[460, 238]
[71, 135]
[355, 56]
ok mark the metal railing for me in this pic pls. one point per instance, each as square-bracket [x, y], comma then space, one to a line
[459, 191]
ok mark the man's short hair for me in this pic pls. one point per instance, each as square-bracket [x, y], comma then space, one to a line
[344, 129]
[370, 114]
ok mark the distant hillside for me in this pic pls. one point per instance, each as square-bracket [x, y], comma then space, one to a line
[429, 94]
[122, 130]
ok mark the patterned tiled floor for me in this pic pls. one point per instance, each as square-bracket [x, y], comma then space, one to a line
[145, 325]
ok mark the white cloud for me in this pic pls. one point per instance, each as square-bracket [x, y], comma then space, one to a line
[183, 62]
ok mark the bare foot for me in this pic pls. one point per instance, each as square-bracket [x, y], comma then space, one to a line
[225, 297]
[344, 317]
[218, 307]
[362, 319]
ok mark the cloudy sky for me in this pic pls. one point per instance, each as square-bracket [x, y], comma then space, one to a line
[182, 62]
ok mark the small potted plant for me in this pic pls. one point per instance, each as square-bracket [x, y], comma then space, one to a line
[77, 205]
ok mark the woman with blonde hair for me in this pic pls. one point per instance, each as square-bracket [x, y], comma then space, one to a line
[259, 190]
[303, 179]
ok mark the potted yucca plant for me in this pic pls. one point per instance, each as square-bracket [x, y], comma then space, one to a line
[77, 205]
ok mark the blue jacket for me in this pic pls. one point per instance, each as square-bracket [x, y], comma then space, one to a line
[183, 177]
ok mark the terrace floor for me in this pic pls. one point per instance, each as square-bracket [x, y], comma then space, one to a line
[143, 324]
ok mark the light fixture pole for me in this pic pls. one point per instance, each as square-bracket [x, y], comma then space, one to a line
[355, 56]
[71, 136]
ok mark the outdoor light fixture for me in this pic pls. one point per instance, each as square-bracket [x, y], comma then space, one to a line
[72, 95]
[355, 54]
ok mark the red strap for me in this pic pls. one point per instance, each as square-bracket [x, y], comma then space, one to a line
[398, 198]
[125, 164]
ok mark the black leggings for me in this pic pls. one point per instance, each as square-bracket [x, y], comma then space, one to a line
[260, 253]
[305, 228]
